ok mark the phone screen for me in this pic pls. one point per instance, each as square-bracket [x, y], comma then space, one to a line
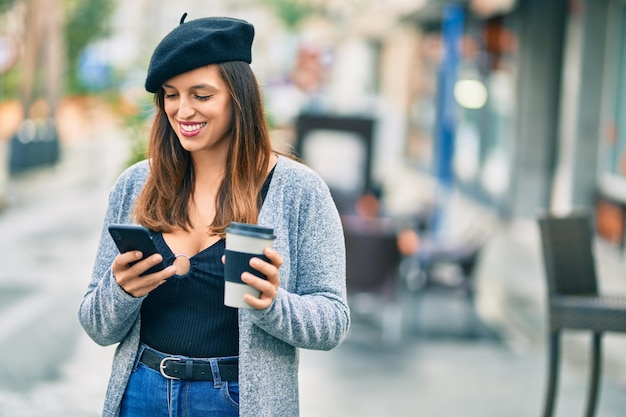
[128, 237]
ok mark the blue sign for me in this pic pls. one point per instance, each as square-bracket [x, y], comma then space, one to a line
[94, 70]
[446, 104]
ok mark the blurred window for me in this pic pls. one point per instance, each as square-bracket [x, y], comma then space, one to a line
[485, 98]
[613, 149]
[339, 157]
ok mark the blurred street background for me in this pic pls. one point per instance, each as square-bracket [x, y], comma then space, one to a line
[446, 126]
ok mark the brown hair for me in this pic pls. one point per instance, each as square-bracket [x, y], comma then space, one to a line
[163, 202]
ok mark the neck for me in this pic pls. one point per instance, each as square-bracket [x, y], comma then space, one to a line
[209, 169]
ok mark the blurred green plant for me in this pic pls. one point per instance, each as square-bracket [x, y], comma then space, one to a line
[9, 83]
[137, 123]
[86, 21]
[5, 5]
[6, 80]
[292, 12]
[138, 135]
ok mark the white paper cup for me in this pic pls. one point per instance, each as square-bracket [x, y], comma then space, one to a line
[243, 242]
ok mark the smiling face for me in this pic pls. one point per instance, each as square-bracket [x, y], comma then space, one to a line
[199, 109]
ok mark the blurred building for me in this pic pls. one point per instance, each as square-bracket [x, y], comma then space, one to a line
[518, 103]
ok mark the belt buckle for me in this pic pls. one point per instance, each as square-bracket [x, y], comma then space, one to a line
[162, 367]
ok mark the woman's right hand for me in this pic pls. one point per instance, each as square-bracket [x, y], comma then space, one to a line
[128, 276]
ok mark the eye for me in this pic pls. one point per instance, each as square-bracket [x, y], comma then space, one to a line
[170, 95]
[203, 98]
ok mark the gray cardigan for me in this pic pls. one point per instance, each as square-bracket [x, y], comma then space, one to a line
[310, 310]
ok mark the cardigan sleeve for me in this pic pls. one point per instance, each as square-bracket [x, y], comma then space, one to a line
[107, 312]
[312, 310]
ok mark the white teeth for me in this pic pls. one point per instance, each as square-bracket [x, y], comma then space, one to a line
[191, 128]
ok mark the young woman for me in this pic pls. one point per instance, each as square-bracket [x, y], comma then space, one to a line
[181, 350]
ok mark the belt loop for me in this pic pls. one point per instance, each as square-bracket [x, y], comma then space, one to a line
[142, 347]
[188, 369]
[217, 378]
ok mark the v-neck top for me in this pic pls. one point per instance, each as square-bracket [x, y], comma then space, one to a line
[186, 315]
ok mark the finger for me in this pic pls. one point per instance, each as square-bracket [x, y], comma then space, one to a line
[121, 266]
[266, 289]
[269, 270]
[128, 277]
[145, 264]
[265, 286]
[123, 259]
[143, 285]
[262, 266]
[273, 256]
[257, 303]
[162, 275]
[154, 280]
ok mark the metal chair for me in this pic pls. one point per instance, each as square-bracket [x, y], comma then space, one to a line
[574, 301]
[448, 267]
[372, 260]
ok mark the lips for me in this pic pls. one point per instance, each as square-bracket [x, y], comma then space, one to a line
[191, 129]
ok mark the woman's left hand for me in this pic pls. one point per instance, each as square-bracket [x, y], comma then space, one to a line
[269, 286]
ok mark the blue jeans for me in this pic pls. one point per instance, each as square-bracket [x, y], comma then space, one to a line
[150, 394]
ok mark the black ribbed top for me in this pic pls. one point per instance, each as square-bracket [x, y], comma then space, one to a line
[186, 315]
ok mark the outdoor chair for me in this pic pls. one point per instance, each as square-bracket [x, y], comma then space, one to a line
[448, 267]
[372, 261]
[574, 301]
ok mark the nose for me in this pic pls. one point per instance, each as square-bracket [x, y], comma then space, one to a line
[185, 108]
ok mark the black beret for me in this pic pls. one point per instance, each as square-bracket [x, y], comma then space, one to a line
[197, 43]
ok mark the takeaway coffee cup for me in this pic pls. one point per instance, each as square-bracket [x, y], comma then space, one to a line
[243, 242]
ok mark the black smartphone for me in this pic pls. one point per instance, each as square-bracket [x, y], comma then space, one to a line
[129, 237]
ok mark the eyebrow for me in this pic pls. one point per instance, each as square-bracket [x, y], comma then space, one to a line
[194, 87]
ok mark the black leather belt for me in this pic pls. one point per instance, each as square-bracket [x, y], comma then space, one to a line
[190, 370]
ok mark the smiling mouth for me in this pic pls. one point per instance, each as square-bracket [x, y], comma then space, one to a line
[189, 128]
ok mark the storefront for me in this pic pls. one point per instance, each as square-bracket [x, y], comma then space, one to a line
[466, 97]
[611, 196]
[539, 104]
